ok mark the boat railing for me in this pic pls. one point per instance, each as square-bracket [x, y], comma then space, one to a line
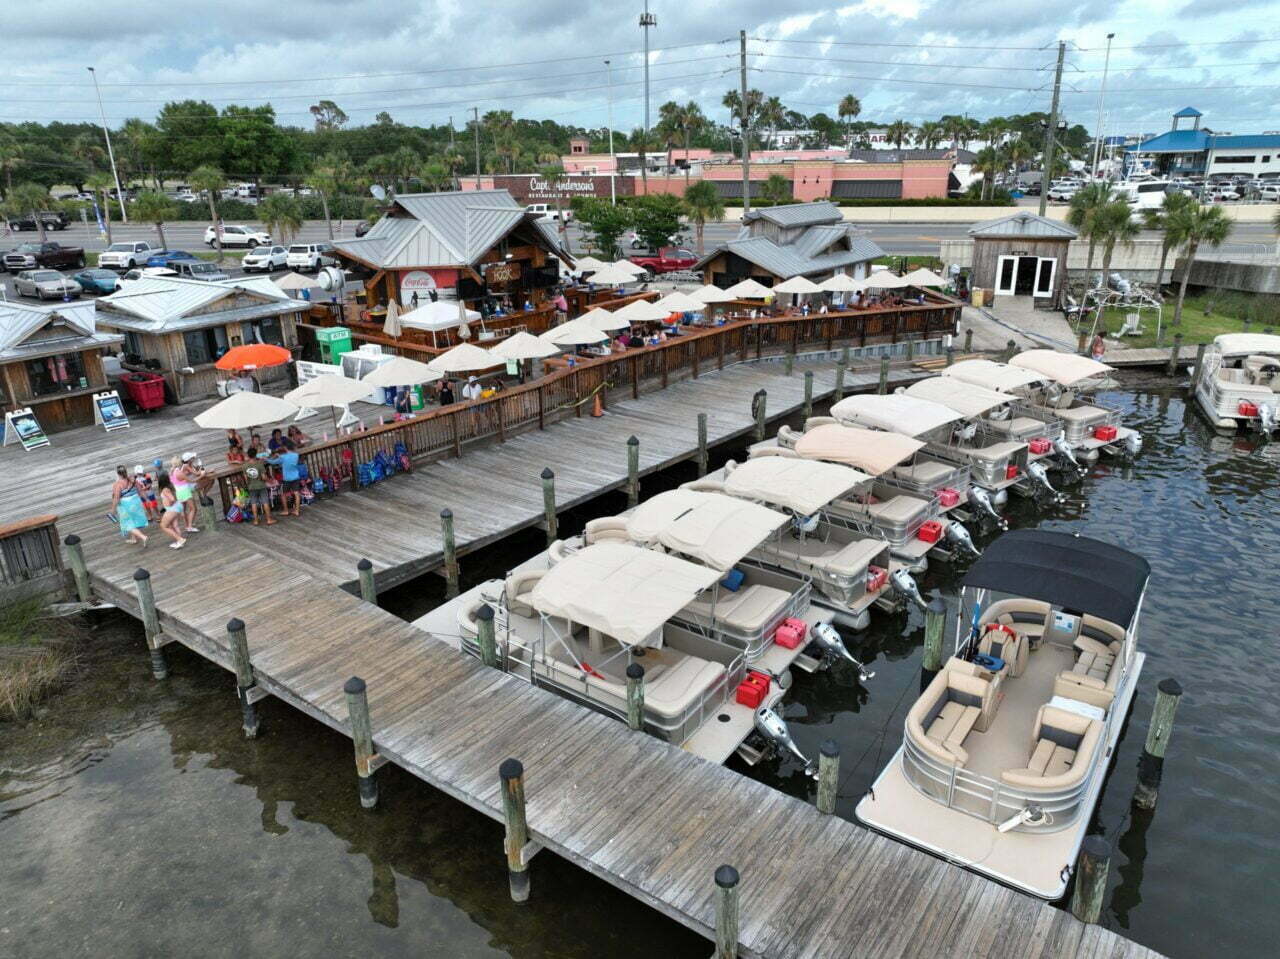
[837, 586]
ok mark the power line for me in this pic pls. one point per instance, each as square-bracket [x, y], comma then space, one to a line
[998, 47]
[1007, 69]
[930, 83]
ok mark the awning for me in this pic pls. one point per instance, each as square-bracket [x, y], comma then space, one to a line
[624, 592]
[435, 316]
[965, 398]
[1245, 344]
[884, 280]
[464, 358]
[803, 486]
[842, 283]
[871, 451]
[894, 413]
[711, 294]
[1079, 574]
[993, 376]
[1068, 369]
[677, 302]
[714, 529]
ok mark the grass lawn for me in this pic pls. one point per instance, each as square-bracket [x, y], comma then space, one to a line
[913, 262]
[1226, 314]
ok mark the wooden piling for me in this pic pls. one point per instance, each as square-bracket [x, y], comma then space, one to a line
[911, 349]
[839, 383]
[368, 590]
[968, 340]
[935, 621]
[208, 515]
[1151, 762]
[1091, 879]
[808, 394]
[1173, 357]
[758, 405]
[450, 553]
[704, 460]
[1199, 363]
[512, 774]
[549, 504]
[362, 739]
[951, 355]
[789, 363]
[727, 879]
[635, 696]
[150, 623]
[828, 776]
[1011, 347]
[633, 470]
[238, 640]
[486, 636]
[884, 375]
[79, 569]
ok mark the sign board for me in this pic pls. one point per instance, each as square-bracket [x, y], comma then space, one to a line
[308, 371]
[21, 426]
[108, 411]
[416, 281]
[513, 367]
[502, 273]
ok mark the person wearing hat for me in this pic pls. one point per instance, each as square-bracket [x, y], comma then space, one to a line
[472, 390]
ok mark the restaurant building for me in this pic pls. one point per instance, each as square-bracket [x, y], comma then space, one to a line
[51, 361]
[1188, 149]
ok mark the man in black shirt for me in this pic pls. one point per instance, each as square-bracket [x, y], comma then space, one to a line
[446, 393]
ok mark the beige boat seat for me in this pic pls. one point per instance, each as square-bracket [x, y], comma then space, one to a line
[787, 437]
[1095, 674]
[606, 528]
[1062, 747]
[852, 558]
[995, 453]
[1012, 649]
[1027, 616]
[1263, 370]
[750, 610]
[926, 473]
[519, 588]
[898, 510]
[1015, 426]
[673, 691]
[994, 680]
[1084, 415]
[557, 551]
[949, 709]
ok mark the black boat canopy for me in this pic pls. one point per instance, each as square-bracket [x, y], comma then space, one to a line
[1074, 572]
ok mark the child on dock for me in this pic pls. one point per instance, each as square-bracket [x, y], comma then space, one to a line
[146, 489]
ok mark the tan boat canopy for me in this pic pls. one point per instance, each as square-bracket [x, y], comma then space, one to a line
[966, 399]
[714, 529]
[801, 485]
[894, 413]
[871, 451]
[1068, 369]
[992, 376]
[624, 592]
[1246, 344]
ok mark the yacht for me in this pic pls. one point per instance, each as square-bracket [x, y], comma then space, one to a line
[1005, 752]
[1239, 380]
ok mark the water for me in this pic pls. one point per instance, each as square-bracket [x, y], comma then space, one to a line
[136, 820]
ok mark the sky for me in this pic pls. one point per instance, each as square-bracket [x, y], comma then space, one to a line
[424, 61]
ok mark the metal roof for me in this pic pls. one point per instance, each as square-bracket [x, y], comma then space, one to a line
[163, 304]
[20, 321]
[802, 257]
[1244, 141]
[201, 321]
[817, 239]
[1175, 141]
[1024, 224]
[797, 214]
[1188, 112]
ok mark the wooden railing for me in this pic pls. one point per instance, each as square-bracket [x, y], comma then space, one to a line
[29, 551]
[446, 431]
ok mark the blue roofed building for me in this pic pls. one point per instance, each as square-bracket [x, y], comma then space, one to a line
[1188, 149]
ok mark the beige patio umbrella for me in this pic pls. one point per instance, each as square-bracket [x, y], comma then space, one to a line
[884, 280]
[463, 358]
[401, 371]
[292, 283]
[842, 283]
[635, 269]
[243, 411]
[797, 285]
[711, 294]
[391, 325]
[678, 302]
[604, 320]
[523, 346]
[609, 275]
[333, 391]
[923, 277]
[642, 311]
[574, 333]
[749, 289]
[587, 264]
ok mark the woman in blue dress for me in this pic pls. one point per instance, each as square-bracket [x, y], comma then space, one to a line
[126, 503]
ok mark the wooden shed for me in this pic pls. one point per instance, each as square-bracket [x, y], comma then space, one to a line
[1022, 255]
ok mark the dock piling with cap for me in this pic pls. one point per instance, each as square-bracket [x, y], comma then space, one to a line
[635, 696]
[511, 772]
[368, 589]
[703, 459]
[759, 403]
[633, 470]
[1091, 879]
[151, 623]
[367, 761]
[727, 879]
[1151, 762]
[935, 619]
[883, 386]
[246, 687]
[549, 504]
[828, 775]
[807, 410]
[79, 571]
[450, 549]
[486, 636]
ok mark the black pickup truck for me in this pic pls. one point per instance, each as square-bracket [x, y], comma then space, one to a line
[54, 256]
[52, 220]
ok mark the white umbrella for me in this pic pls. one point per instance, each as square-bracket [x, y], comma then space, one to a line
[749, 289]
[329, 389]
[604, 320]
[635, 269]
[711, 294]
[923, 277]
[574, 333]
[678, 302]
[587, 264]
[401, 371]
[884, 280]
[243, 411]
[642, 311]
[610, 275]
[391, 325]
[296, 281]
[523, 346]
[797, 284]
[842, 283]
[463, 358]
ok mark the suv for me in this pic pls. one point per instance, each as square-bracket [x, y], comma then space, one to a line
[266, 259]
[52, 220]
[125, 256]
[197, 270]
[245, 236]
[311, 256]
[1063, 192]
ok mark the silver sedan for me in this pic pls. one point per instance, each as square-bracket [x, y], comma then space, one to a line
[46, 284]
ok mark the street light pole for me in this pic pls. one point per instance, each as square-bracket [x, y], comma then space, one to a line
[613, 162]
[1102, 93]
[476, 111]
[647, 20]
[124, 216]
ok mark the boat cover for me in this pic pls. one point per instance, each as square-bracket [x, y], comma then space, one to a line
[1244, 344]
[801, 485]
[991, 375]
[967, 399]
[715, 529]
[1067, 369]
[894, 412]
[871, 451]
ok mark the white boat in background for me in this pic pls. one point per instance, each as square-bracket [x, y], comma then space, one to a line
[1005, 752]
[1239, 380]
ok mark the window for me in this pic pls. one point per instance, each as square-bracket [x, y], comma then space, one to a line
[1235, 159]
[132, 343]
[265, 330]
[56, 374]
[205, 346]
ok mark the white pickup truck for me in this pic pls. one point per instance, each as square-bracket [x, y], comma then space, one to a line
[126, 256]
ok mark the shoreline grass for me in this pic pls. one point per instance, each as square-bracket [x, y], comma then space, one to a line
[37, 655]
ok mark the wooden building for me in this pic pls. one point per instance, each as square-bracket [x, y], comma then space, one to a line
[51, 361]
[180, 327]
[1022, 255]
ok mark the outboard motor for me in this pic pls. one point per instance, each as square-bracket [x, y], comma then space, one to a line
[772, 727]
[957, 535]
[981, 501]
[1067, 451]
[1267, 418]
[1038, 473]
[906, 587]
[833, 647]
[1133, 442]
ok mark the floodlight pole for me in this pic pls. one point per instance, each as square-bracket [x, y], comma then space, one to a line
[1102, 93]
[124, 215]
[613, 161]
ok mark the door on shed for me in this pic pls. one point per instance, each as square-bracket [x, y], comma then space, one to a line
[1006, 274]
[1046, 269]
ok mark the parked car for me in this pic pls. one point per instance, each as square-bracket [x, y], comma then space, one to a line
[169, 257]
[125, 256]
[147, 272]
[45, 284]
[1221, 193]
[52, 220]
[28, 256]
[668, 260]
[245, 236]
[198, 270]
[1271, 192]
[1063, 193]
[311, 256]
[547, 211]
[98, 280]
[266, 259]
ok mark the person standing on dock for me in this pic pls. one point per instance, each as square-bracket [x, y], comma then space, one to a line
[126, 506]
[256, 486]
[446, 393]
[288, 463]
[171, 511]
[184, 477]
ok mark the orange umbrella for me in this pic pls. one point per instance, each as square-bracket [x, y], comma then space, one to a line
[255, 356]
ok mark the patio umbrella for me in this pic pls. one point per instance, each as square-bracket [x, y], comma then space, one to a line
[642, 311]
[588, 264]
[574, 333]
[635, 269]
[401, 371]
[463, 358]
[391, 325]
[678, 302]
[435, 316]
[610, 275]
[523, 346]
[749, 289]
[253, 356]
[329, 389]
[923, 277]
[294, 282]
[797, 285]
[884, 280]
[604, 320]
[842, 283]
[711, 294]
[243, 411]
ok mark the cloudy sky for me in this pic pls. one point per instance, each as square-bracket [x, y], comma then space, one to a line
[426, 60]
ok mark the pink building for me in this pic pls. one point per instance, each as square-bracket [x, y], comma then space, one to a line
[822, 179]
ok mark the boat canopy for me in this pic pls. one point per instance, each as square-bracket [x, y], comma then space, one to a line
[801, 485]
[1246, 344]
[1078, 574]
[894, 412]
[966, 399]
[991, 375]
[1068, 369]
[715, 529]
[624, 592]
[871, 451]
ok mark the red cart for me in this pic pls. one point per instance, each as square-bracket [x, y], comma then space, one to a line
[145, 389]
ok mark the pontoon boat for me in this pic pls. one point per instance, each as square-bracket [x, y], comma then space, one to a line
[1239, 381]
[1089, 426]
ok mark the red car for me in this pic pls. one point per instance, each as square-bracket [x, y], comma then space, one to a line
[668, 260]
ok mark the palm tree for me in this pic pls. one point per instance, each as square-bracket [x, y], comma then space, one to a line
[1084, 205]
[281, 216]
[210, 180]
[1114, 224]
[776, 189]
[987, 162]
[403, 164]
[691, 121]
[553, 173]
[10, 160]
[498, 123]
[898, 132]
[992, 130]
[1017, 153]
[28, 199]
[1158, 219]
[930, 134]
[101, 184]
[435, 174]
[956, 129]
[324, 178]
[154, 208]
[847, 110]
[772, 113]
[746, 114]
[705, 205]
[642, 140]
[1196, 225]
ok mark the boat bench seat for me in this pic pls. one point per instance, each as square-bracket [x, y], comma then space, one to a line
[1050, 759]
[606, 529]
[995, 453]
[1094, 676]
[1062, 747]
[672, 692]
[519, 590]
[750, 610]
[1012, 649]
[949, 709]
[952, 725]
[1016, 426]
[928, 473]
[900, 510]
[1027, 616]
[851, 559]
[1084, 415]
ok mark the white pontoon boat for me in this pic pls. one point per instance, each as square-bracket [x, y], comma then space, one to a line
[1239, 380]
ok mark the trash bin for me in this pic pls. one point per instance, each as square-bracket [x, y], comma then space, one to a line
[145, 389]
[978, 296]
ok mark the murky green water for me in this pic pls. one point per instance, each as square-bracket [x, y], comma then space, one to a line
[135, 820]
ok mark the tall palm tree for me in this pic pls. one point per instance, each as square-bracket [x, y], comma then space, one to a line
[988, 162]
[28, 199]
[692, 121]
[847, 110]
[776, 189]
[210, 180]
[10, 160]
[956, 129]
[1194, 226]
[930, 134]
[102, 184]
[154, 207]
[498, 123]
[403, 165]
[704, 205]
[1084, 205]
[898, 132]
[1158, 219]
[642, 140]
[325, 176]
[1114, 224]
[281, 215]
[772, 114]
[746, 114]
[553, 173]
[1018, 152]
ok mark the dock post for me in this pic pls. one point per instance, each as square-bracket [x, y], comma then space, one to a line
[512, 774]
[828, 776]
[1011, 347]
[1082, 342]
[789, 363]
[911, 349]
[635, 696]
[79, 569]
[844, 357]
[935, 620]
[633, 470]
[239, 643]
[1151, 762]
[362, 739]
[951, 355]
[151, 623]
[1091, 879]
[486, 637]
[368, 591]
[549, 504]
[450, 553]
[839, 383]
[968, 340]
[704, 461]
[1173, 357]
[726, 912]
[1195, 370]
[208, 518]
[758, 407]
[884, 375]
[808, 393]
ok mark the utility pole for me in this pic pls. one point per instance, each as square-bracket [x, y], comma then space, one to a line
[476, 112]
[745, 123]
[451, 132]
[647, 20]
[124, 216]
[613, 161]
[1102, 93]
[1052, 130]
